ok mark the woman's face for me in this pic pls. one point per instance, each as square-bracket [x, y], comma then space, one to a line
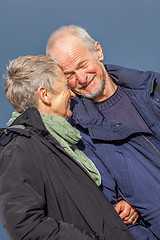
[60, 99]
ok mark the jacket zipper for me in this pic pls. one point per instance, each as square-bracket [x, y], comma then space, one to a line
[150, 143]
[157, 114]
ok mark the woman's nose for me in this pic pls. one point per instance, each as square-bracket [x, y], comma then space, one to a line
[72, 94]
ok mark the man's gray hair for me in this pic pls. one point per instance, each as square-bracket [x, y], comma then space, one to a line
[25, 75]
[71, 30]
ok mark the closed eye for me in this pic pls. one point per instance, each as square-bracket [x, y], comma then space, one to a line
[84, 65]
[69, 75]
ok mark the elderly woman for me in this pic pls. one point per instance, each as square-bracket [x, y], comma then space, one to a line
[48, 188]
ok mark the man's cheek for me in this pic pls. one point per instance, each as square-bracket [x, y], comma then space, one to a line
[72, 83]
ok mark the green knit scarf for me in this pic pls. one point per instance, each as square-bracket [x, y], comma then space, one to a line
[68, 137]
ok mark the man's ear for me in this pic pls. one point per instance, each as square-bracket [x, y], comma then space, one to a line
[99, 51]
[44, 95]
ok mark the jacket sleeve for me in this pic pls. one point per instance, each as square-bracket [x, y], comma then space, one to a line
[155, 94]
[22, 200]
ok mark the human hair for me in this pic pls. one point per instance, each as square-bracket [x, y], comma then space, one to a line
[76, 31]
[25, 75]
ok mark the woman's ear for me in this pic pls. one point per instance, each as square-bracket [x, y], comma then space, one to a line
[99, 51]
[44, 95]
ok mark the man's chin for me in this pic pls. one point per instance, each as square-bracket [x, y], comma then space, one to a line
[94, 93]
[91, 95]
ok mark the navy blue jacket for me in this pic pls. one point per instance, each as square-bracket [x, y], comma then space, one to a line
[127, 157]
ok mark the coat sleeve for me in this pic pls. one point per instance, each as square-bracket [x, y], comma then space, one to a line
[155, 94]
[22, 200]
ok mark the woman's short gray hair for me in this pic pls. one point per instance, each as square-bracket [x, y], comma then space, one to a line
[72, 30]
[25, 75]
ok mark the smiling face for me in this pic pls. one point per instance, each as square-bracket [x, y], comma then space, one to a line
[60, 99]
[84, 69]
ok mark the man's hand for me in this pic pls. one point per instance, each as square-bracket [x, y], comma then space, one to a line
[127, 212]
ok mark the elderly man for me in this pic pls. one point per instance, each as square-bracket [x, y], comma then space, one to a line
[49, 189]
[117, 111]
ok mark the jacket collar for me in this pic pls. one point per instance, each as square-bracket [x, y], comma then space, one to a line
[96, 124]
[30, 123]
[22, 125]
[130, 78]
[30, 120]
[88, 116]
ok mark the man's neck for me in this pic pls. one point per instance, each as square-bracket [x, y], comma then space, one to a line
[109, 89]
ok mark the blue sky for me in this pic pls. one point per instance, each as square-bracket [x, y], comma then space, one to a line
[128, 31]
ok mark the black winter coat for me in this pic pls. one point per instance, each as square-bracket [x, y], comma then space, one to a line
[45, 194]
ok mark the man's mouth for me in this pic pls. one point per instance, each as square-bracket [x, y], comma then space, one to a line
[89, 82]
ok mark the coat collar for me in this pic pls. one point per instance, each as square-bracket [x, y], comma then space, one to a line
[88, 116]
[30, 123]
[30, 118]
[130, 78]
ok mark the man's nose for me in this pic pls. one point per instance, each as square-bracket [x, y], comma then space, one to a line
[81, 76]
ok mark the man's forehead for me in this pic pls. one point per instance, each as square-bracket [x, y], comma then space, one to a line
[72, 59]
[70, 52]
[67, 45]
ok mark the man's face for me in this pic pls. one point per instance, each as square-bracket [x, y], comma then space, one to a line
[84, 69]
